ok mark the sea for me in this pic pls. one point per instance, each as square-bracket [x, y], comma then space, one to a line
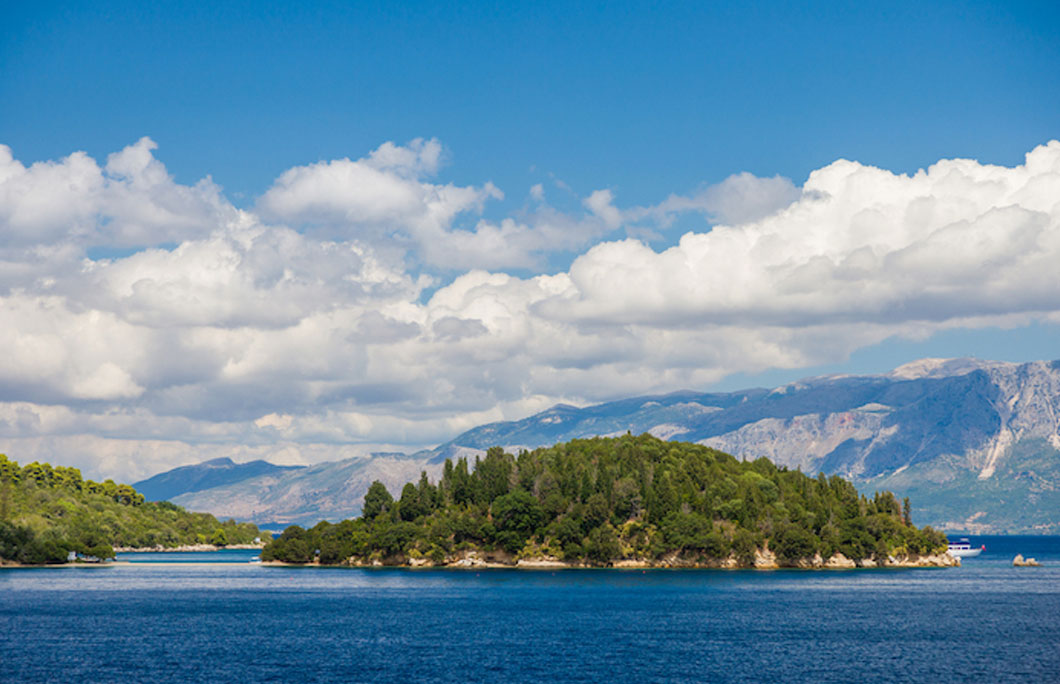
[217, 617]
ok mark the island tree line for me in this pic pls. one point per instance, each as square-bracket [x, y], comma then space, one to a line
[597, 501]
[46, 512]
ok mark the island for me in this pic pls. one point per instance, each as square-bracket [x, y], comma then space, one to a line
[629, 501]
[51, 515]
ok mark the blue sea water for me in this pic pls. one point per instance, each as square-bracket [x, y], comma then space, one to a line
[216, 617]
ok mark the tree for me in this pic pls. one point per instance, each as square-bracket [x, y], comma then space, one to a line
[461, 484]
[9, 470]
[744, 545]
[602, 545]
[627, 498]
[126, 495]
[219, 538]
[393, 538]
[427, 494]
[792, 543]
[494, 472]
[100, 551]
[409, 507]
[516, 516]
[907, 511]
[376, 501]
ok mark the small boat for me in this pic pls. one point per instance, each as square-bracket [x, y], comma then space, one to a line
[963, 549]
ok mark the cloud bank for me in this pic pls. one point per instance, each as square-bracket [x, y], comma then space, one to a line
[364, 304]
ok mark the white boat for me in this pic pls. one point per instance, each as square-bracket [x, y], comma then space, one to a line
[963, 549]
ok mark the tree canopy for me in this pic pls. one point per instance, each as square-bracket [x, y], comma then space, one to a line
[46, 512]
[597, 501]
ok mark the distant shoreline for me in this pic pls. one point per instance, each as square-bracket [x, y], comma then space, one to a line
[473, 561]
[187, 548]
[762, 562]
[5, 565]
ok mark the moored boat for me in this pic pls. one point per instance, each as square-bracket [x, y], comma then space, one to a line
[963, 549]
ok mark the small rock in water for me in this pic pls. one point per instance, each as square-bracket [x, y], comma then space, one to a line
[1020, 562]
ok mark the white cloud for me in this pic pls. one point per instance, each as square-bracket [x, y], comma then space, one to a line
[740, 198]
[247, 334]
[131, 202]
[245, 274]
[959, 239]
[383, 197]
[600, 204]
[384, 190]
[386, 199]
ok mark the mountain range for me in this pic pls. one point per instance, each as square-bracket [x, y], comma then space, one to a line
[218, 472]
[975, 444]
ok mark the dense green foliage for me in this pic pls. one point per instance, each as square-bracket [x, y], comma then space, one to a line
[47, 512]
[594, 501]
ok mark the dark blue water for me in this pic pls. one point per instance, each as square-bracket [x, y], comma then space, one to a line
[208, 621]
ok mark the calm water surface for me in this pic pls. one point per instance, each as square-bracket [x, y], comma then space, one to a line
[203, 620]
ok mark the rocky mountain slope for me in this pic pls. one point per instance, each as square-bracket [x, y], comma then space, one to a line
[975, 444]
[326, 491]
[206, 475]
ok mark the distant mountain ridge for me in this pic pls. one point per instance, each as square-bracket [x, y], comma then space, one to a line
[839, 424]
[976, 444]
[217, 472]
[306, 494]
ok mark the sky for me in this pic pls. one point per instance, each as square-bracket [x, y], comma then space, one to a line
[305, 231]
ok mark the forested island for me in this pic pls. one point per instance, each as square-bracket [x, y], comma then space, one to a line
[632, 501]
[48, 512]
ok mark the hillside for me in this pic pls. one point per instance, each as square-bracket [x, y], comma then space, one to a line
[218, 472]
[627, 501]
[47, 512]
[975, 443]
[324, 491]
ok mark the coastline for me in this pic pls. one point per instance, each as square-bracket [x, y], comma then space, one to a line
[764, 560]
[187, 548]
[4, 565]
[184, 548]
[476, 561]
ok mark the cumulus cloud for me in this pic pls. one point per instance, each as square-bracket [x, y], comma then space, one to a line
[382, 196]
[130, 202]
[741, 198]
[387, 198]
[299, 323]
[958, 239]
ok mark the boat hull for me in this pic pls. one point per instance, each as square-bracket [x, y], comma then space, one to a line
[964, 553]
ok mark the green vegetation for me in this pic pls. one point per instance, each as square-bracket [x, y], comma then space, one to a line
[46, 512]
[597, 501]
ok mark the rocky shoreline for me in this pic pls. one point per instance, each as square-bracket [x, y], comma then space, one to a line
[763, 560]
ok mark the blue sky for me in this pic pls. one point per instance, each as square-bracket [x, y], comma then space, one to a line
[631, 96]
[540, 143]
